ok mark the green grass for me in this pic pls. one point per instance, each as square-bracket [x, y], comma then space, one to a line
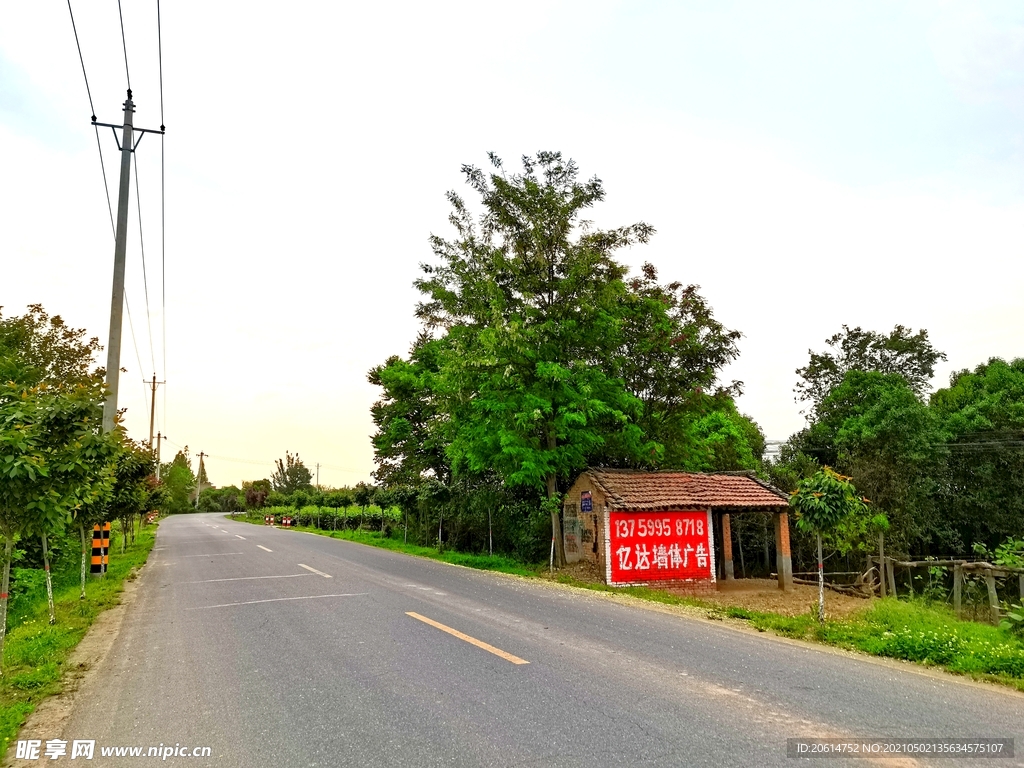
[914, 631]
[36, 653]
[497, 563]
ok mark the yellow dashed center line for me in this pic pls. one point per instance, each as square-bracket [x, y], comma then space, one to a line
[468, 639]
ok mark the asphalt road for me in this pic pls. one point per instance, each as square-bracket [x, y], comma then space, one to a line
[276, 648]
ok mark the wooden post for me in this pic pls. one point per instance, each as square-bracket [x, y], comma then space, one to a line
[727, 548]
[881, 564]
[958, 580]
[892, 575]
[993, 598]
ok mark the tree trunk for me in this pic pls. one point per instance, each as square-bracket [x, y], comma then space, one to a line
[81, 530]
[8, 546]
[440, 519]
[490, 535]
[881, 565]
[821, 585]
[556, 526]
[49, 581]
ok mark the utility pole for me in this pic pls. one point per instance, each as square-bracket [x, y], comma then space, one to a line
[159, 437]
[199, 478]
[152, 410]
[127, 145]
[318, 475]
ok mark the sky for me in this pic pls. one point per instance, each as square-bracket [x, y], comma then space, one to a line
[807, 164]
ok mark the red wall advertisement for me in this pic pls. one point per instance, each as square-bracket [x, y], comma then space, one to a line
[652, 546]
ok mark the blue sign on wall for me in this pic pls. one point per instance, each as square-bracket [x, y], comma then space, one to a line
[586, 502]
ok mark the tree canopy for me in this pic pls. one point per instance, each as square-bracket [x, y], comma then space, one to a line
[911, 355]
[291, 475]
[539, 356]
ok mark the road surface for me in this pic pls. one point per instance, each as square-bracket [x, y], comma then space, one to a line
[277, 648]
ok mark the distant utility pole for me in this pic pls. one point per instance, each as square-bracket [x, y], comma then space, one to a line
[127, 145]
[199, 478]
[152, 411]
[318, 475]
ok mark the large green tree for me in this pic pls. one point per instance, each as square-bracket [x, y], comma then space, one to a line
[981, 490]
[873, 427]
[529, 296]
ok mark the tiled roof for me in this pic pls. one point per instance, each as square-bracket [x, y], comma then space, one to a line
[636, 490]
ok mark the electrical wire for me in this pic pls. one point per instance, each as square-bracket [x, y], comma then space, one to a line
[163, 210]
[131, 327]
[124, 45]
[145, 279]
[92, 111]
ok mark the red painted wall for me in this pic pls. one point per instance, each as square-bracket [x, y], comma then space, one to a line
[660, 546]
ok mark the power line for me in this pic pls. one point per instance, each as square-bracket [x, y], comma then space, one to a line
[82, 59]
[131, 327]
[125, 46]
[145, 279]
[163, 211]
[92, 110]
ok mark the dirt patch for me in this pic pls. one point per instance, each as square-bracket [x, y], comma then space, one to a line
[49, 718]
[765, 595]
[753, 594]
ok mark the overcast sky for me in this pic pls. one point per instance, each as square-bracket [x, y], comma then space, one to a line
[807, 164]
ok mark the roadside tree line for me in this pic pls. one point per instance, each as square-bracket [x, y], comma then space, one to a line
[59, 473]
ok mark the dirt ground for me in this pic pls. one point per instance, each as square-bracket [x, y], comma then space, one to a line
[752, 594]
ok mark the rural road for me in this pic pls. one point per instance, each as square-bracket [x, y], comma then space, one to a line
[276, 648]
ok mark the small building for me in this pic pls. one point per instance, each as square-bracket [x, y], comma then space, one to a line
[643, 528]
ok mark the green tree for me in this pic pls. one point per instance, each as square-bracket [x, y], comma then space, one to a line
[54, 459]
[672, 351]
[410, 440]
[178, 483]
[36, 348]
[821, 503]
[911, 355]
[873, 427]
[291, 475]
[529, 299]
[132, 489]
[981, 487]
[256, 493]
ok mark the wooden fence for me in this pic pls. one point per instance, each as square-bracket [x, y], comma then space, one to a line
[961, 569]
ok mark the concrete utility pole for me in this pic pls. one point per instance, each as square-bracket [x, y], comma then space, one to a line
[318, 475]
[127, 145]
[117, 294]
[199, 478]
[152, 412]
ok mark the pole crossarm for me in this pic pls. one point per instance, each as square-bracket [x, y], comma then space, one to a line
[140, 131]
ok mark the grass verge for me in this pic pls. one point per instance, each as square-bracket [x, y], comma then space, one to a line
[497, 563]
[915, 631]
[36, 652]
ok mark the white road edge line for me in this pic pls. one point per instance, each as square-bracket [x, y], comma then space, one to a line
[248, 578]
[214, 554]
[276, 600]
[264, 548]
[240, 537]
[314, 570]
